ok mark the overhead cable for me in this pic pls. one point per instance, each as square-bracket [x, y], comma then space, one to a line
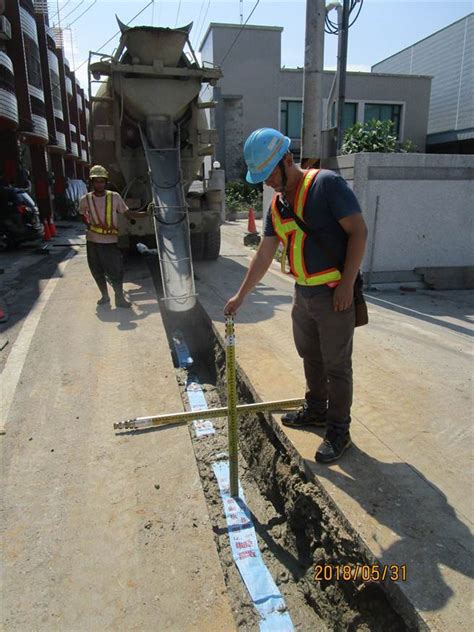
[115, 35]
[80, 16]
[60, 9]
[198, 20]
[239, 33]
[203, 22]
[177, 14]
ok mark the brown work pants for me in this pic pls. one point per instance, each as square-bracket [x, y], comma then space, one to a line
[323, 338]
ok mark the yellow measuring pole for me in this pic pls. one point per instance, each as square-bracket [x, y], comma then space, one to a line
[231, 405]
[231, 411]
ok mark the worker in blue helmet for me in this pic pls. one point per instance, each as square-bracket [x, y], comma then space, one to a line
[317, 219]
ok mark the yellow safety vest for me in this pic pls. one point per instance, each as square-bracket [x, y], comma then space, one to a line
[107, 227]
[290, 234]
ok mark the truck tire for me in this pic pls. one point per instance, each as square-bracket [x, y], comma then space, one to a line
[197, 246]
[212, 245]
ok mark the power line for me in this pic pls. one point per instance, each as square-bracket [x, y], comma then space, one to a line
[73, 10]
[83, 13]
[332, 28]
[199, 19]
[203, 21]
[177, 14]
[239, 33]
[114, 35]
[60, 9]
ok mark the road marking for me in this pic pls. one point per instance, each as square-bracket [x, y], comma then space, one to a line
[11, 373]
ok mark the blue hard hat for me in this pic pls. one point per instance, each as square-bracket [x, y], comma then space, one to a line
[263, 150]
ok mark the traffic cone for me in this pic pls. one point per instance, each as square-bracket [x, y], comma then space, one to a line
[47, 231]
[251, 227]
[52, 227]
[251, 238]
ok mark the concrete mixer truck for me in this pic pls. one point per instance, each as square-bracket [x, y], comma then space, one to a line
[150, 130]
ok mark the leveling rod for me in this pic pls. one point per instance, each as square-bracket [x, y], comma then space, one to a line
[232, 417]
[212, 413]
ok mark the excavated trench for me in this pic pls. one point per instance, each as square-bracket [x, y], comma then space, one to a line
[297, 524]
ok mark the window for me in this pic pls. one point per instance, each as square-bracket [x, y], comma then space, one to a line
[33, 62]
[383, 112]
[291, 118]
[349, 117]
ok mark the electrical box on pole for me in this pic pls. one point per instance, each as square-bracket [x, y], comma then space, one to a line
[313, 83]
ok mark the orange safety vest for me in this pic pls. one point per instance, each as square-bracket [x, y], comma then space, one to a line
[288, 232]
[107, 227]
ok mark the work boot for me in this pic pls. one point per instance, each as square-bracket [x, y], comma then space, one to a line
[103, 300]
[333, 447]
[121, 301]
[302, 417]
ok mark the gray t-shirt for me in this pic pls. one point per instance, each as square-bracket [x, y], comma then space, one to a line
[329, 200]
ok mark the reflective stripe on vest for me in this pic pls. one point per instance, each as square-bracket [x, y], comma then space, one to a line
[96, 226]
[288, 232]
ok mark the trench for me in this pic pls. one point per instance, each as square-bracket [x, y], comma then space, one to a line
[296, 523]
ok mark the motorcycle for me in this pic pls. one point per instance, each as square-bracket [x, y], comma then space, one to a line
[19, 218]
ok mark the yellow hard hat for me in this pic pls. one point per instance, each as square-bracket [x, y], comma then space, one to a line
[98, 171]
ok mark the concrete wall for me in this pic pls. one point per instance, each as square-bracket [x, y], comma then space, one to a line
[424, 209]
[250, 70]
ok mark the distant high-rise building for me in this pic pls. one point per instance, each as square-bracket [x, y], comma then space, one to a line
[58, 35]
[41, 6]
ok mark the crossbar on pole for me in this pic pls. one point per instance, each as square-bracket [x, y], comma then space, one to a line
[212, 413]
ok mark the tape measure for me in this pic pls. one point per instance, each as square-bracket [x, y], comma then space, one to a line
[232, 431]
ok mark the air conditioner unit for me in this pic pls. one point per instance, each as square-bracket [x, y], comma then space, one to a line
[5, 28]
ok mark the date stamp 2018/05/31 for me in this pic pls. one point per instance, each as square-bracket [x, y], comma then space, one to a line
[364, 572]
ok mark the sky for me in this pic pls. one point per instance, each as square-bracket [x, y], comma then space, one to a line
[383, 28]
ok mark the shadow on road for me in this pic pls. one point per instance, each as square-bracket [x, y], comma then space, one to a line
[427, 534]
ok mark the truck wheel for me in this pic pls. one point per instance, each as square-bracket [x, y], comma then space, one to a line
[197, 246]
[212, 245]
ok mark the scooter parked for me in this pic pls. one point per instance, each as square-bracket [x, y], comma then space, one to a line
[19, 218]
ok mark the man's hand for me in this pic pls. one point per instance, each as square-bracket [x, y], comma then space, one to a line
[233, 304]
[343, 296]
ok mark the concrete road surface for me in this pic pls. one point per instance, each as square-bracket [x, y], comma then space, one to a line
[100, 532]
[406, 485]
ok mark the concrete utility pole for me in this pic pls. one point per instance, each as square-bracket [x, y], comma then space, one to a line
[342, 64]
[313, 83]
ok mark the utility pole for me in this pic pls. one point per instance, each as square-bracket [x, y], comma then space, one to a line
[342, 64]
[313, 83]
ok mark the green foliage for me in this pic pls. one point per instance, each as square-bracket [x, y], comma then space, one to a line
[374, 136]
[408, 147]
[240, 196]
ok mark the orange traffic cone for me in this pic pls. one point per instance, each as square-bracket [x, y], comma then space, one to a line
[251, 238]
[251, 227]
[52, 227]
[47, 231]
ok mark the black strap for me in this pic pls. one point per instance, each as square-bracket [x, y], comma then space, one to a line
[312, 233]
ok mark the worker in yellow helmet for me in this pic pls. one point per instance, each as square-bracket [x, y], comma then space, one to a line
[99, 210]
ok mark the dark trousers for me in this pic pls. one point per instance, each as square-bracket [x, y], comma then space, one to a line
[106, 264]
[323, 338]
